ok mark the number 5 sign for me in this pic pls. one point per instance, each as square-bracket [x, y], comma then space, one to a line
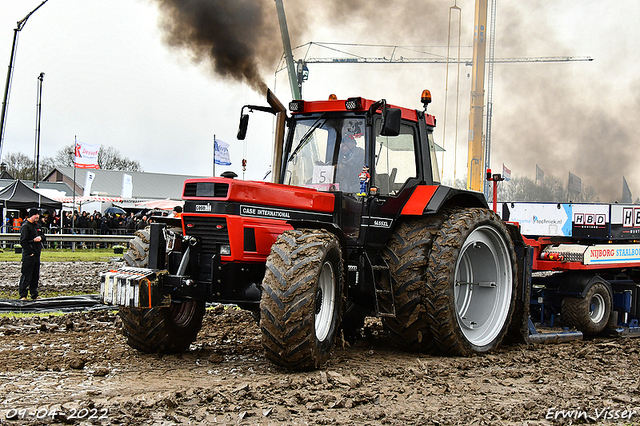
[323, 174]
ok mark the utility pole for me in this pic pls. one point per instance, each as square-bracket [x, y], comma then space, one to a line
[38, 118]
[7, 87]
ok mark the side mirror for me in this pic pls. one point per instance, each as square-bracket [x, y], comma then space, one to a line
[391, 122]
[242, 129]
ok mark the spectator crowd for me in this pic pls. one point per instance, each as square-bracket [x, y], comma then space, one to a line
[95, 223]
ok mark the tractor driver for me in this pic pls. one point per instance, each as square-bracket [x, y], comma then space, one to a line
[351, 157]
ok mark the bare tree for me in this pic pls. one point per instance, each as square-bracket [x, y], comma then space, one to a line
[110, 159]
[551, 190]
[21, 166]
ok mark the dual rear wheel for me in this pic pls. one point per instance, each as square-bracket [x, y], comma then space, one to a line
[455, 281]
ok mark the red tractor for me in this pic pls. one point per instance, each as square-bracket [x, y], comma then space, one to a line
[355, 223]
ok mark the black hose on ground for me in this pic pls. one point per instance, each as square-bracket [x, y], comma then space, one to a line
[87, 302]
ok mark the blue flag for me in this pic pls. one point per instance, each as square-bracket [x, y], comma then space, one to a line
[221, 153]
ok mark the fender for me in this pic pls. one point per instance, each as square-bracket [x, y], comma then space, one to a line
[430, 199]
[577, 284]
[331, 227]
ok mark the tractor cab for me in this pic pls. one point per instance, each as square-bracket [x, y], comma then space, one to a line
[371, 153]
[333, 145]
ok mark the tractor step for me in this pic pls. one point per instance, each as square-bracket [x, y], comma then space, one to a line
[385, 302]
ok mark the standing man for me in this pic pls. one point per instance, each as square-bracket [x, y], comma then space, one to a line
[31, 239]
[177, 211]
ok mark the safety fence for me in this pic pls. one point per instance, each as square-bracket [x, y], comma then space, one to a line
[8, 229]
[68, 237]
[70, 240]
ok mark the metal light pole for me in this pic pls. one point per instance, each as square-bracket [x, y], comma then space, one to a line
[38, 117]
[286, 42]
[7, 87]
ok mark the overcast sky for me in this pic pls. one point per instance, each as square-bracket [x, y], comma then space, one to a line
[110, 78]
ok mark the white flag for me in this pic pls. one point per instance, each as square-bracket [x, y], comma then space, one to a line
[87, 184]
[86, 156]
[221, 153]
[127, 186]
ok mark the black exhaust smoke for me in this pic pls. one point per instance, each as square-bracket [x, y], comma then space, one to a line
[234, 37]
[240, 39]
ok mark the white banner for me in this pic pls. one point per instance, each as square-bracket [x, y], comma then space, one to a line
[86, 156]
[87, 184]
[127, 186]
[221, 153]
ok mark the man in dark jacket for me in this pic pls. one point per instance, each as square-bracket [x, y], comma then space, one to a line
[31, 239]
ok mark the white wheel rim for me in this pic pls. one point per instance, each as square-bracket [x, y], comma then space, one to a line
[483, 285]
[596, 308]
[325, 301]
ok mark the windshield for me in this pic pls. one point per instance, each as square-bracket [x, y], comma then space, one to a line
[327, 154]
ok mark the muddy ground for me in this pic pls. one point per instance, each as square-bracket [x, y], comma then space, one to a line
[77, 368]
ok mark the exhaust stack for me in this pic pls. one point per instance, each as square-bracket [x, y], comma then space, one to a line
[278, 143]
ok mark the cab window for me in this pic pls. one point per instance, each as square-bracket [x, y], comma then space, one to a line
[395, 160]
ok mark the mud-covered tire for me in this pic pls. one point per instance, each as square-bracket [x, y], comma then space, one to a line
[302, 300]
[591, 313]
[167, 330]
[407, 253]
[471, 283]
[138, 253]
[170, 329]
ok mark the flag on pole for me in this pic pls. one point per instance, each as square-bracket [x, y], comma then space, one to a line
[627, 198]
[539, 175]
[86, 156]
[506, 173]
[575, 183]
[221, 153]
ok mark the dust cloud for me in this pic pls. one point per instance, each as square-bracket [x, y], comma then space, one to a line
[562, 116]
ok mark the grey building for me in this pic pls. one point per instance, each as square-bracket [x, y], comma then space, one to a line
[109, 183]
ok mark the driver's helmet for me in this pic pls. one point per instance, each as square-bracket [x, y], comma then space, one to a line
[352, 130]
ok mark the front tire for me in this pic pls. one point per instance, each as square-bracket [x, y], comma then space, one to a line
[471, 282]
[166, 330]
[301, 300]
[170, 329]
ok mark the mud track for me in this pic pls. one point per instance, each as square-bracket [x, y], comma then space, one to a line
[77, 369]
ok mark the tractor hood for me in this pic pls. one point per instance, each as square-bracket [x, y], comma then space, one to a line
[216, 195]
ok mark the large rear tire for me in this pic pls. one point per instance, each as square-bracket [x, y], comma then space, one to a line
[591, 313]
[471, 285]
[407, 253]
[170, 329]
[301, 301]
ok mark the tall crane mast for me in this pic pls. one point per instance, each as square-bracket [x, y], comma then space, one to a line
[490, 65]
[475, 160]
